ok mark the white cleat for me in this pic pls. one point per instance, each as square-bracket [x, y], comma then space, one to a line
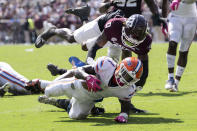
[169, 84]
[174, 88]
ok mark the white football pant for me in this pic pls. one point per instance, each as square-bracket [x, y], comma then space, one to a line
[16, 80]
[182, 29]
[81, 103]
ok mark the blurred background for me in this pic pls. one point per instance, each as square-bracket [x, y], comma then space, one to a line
[21, 21]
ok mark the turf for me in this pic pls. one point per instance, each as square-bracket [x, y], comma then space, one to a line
[167, 111]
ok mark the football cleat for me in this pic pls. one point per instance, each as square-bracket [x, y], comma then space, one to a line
[4, 89]
[82, 12]
[43, 37]
[55, 70]
[46, 100]
[60, 103]
[169, 83]
[174, 88]
[76, 62]
[34, 86]
[97, 111]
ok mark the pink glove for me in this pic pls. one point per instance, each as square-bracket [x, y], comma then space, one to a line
[93, 83]
[122, 118]
[175, 4]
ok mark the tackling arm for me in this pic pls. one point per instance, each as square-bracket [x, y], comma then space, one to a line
[99, 43]
[125, 108]
[144, 59]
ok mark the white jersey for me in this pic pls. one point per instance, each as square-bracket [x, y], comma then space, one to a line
[187, 8]
[105, 68]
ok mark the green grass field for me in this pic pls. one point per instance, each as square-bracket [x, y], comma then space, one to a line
[167, 111]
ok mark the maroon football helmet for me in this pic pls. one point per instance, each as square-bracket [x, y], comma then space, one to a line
[134, 31]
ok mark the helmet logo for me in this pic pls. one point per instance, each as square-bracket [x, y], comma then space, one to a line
[129, 63]
[129, 22]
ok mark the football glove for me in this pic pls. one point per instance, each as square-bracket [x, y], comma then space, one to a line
[122, 118]
[93, 83]
[175, 4]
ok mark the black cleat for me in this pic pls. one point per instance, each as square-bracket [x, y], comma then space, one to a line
[4, 89]
[97, 111]
[44, 36]
[82, 12]
[53, 69]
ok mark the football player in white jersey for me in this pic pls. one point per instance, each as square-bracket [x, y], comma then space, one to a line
[182, 28]
[94, 82]
[13, 82]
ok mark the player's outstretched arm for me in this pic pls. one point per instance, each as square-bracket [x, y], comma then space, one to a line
[123, 116]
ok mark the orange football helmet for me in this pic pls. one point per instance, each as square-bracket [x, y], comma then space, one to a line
[129, 71]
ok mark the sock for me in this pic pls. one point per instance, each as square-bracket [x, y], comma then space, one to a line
[44, 83]
[170, 75]
[179, 70]
[177, 82]
[170, 60]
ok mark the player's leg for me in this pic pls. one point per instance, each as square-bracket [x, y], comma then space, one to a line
[114, 52]
[87, 31]
[64, 104]
[80, 110]
[175, 32]
[82, 12]
[16, 81]
[64, 33]
[188, 35]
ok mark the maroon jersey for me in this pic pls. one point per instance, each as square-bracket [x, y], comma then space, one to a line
[113, 32]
